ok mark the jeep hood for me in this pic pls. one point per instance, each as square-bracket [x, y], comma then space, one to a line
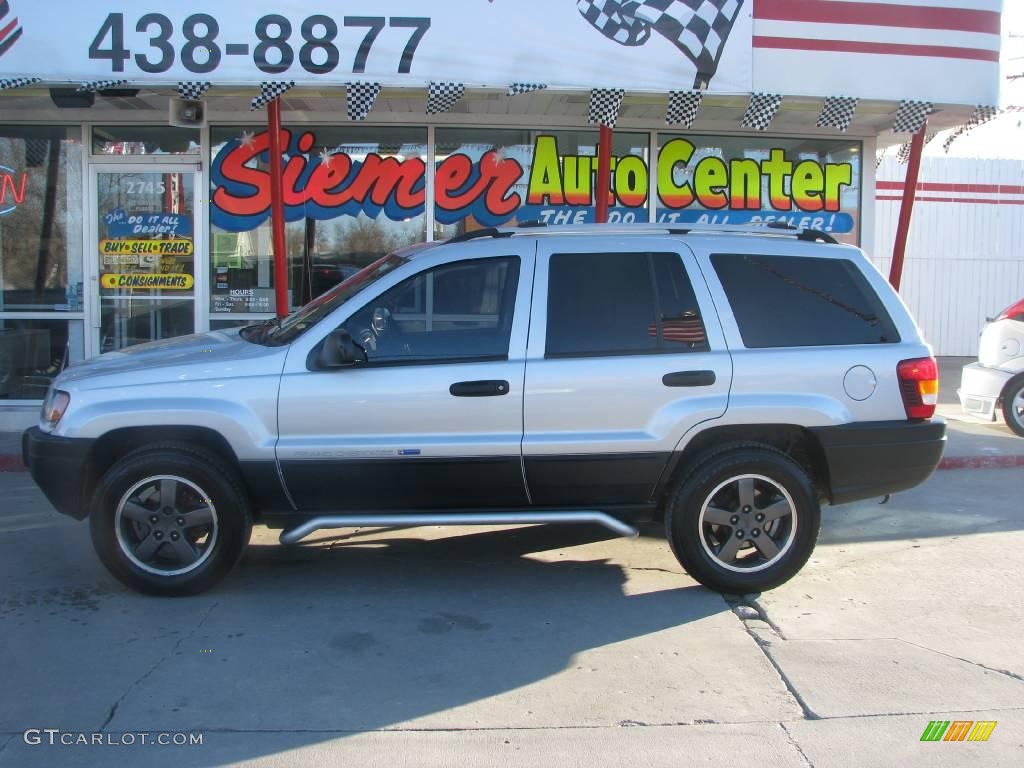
[217, 354]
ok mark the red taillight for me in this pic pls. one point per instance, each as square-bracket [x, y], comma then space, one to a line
[919, 385]
[1013, 312]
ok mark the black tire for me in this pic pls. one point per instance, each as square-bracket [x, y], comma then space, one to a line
[209, 517]
[1013, 405]
[774, 483]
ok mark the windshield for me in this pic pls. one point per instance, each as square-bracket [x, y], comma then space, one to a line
[305, 318]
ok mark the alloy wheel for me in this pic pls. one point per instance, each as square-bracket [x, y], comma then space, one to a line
[747, 523]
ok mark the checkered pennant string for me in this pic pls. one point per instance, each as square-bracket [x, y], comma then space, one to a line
[761, 110]
[270, 91]
[99, 85]
[698, 28]
[605, 104]
[904, 151]
[911, 115]
[360, 98]
[682, 107]
[609, 18]
[879, 157]
[192, 90]
[441, 97]
[517, 88]
[837, 112]
[18, 82]
[982, 115]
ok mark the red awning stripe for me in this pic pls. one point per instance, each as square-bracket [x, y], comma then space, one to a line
[940, 186]
[975, 200]
[890, 49]
[879, 14]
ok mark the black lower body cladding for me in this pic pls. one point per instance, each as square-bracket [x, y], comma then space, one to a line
[58, 465]
[879, 457]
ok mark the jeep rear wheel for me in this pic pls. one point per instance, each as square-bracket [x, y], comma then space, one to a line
[170, 520]
[744, 521]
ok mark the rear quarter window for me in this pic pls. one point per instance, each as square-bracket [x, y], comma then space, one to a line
[799, 301]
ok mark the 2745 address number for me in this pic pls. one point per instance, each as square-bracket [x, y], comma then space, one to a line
[274, 53]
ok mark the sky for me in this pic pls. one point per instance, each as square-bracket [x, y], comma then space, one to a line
[1004, 136]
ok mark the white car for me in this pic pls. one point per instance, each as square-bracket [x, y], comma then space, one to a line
[998, 376]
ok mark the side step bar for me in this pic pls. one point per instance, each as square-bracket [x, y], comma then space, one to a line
[299, 532]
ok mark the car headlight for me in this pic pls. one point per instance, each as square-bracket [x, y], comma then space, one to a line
[56, 403]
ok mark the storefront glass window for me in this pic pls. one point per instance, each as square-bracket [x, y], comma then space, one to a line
[115, 140]
[32, 352]
[490, 177]
[352, 194]
[41, 195]
[808, 183]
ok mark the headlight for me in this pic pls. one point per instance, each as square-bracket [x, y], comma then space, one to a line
[57, 402]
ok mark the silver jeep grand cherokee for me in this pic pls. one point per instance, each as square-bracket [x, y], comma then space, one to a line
[725, 380]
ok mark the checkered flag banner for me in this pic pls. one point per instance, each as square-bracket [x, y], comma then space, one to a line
[608, 18]
[517, 88]
[99, 85]
[360, 98]
[837, 112]
[761, 110]
[911, 116]
[270, 91]
[18, 82]
[441, 97]
[981, 116]
[192, 90]
[698, 28]
[605, 104]
[682, 107]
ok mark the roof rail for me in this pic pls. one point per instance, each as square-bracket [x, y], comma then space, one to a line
[777, 229]
[477, 233]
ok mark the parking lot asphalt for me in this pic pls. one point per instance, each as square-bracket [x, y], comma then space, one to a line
[531, 646]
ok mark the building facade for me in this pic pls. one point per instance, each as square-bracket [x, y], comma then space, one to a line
[127, 218]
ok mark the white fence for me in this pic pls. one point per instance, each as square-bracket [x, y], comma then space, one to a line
[965, 253]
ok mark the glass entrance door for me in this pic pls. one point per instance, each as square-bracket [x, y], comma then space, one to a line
[145, 251]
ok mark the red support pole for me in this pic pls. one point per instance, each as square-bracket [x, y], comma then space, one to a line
[277, 209]
[899, 248]
[604, 173]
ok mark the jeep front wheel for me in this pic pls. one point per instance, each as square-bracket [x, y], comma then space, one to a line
[745, 521]
[170, 520]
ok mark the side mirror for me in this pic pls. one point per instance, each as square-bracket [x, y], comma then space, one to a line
[339, 350]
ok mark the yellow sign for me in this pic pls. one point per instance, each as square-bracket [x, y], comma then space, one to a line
[179, 247]
[174, 282]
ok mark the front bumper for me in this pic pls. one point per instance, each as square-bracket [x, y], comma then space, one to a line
[59, 467]
[875, 458]
[980, 388]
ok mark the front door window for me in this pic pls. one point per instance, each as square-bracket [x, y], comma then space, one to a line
[146, 253]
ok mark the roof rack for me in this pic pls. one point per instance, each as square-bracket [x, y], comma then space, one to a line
[775, 228]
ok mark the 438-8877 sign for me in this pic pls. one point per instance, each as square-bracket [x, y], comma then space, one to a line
[646, 45]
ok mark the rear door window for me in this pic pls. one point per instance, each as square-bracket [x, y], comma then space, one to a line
[621, 304]
[796, 301]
